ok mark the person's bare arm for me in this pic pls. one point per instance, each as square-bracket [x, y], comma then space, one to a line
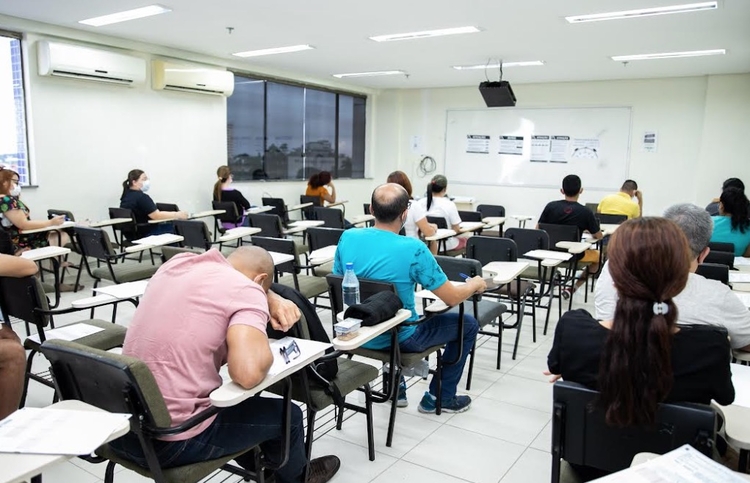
[453, 295]
[167, 215]
[249, 355]
[639, 195]
[18, 218]
[427, 229]
[11, 266]
[598, 235]
[330, 197]
[456, 228]
[284, 313]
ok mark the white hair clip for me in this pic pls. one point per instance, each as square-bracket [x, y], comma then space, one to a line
[661, 308]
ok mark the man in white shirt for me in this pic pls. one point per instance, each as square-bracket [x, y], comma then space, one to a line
[702, 301]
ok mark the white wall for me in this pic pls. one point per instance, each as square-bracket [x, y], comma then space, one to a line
[700, 121]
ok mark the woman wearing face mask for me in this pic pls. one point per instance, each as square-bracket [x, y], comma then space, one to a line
[134, 198]
[14, 217]
[223, 192]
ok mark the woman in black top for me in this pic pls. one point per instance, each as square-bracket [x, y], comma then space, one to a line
[222, 192]
[134, 198]
[642, 358]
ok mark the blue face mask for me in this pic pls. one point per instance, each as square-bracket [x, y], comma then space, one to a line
[146, 185]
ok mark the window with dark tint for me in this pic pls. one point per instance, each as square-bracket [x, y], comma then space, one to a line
[282, 131]
[13, 141]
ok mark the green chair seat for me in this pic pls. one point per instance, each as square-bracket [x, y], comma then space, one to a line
[408, 359]
[112, 336]
[125, 273]
[324, 269]
[309, 286]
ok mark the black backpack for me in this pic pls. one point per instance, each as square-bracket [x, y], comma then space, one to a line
[328, 369]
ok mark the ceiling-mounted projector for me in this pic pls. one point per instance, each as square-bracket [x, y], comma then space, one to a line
[497, 94]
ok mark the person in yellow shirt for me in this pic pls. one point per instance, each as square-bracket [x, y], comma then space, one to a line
[622, 203]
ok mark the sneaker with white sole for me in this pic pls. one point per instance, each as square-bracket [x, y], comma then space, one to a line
[402, 402]
[457, 404]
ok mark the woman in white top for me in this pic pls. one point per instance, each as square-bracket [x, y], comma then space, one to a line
[416, 218]
[438, 205]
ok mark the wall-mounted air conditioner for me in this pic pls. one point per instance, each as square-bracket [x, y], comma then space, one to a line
[191, 78]
[79, 62]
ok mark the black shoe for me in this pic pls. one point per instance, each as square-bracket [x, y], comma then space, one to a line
[322, 469]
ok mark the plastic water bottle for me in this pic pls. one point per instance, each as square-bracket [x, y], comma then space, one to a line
[350, 287]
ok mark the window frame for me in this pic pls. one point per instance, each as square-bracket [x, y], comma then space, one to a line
[29, 180]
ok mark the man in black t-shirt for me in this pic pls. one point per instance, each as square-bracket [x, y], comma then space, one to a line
[570, 212]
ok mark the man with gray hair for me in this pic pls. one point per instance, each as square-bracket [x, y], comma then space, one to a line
[702, 301]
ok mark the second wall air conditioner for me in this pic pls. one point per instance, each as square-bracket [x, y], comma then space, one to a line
[80, 62]
[191, 78]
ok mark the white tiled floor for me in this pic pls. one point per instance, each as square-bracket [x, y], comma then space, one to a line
[503, 438]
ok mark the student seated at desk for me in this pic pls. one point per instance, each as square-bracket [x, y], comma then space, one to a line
[223, 192]
[713, 207]
[416, 218]
[14, 217]
[318, 185]
[12, 353]
[570, 212]
[440, 206]
[621, 203]
[379, 253]
[641, 357]
[732, 225]
[213, 311]
[702, 301]
[134, 198]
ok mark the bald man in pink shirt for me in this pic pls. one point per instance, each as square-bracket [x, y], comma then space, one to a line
[198, 313]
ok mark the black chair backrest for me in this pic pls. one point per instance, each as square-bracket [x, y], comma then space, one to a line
[309, 212]
[127, 230]
[558, 233]
[487, 249]
[611, 219]
[112, 382]
[194, 232]
[270, 225]
[437, 220]
[332, 217]
[6, 242]
[581, 436]
[367, 288]
[721, 258]
[319, 237]
[19, 297]
[470, 216]
[721, 247]
[279, 208]
[94, 243]
[714, 271]
[278, 245]
[167, 252]
[528, 239]
[592, 206]
[167, 207]
[366, 208]
[231, 213]
[491, 210]
[67, 214]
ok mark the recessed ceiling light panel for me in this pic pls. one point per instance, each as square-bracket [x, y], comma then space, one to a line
[495, 65]
[370, 74]
[425, 34]
[644, 12]
[668, 55]
[126, 15]
[276, 50]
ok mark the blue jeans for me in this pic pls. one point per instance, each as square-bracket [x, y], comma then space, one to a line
[443, 329]
[254, 421]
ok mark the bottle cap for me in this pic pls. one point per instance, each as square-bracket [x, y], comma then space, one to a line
[349, 266]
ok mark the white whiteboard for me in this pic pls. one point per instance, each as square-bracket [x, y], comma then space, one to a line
[541, 146]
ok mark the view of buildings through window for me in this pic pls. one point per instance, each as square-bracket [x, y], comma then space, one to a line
[13, 145]
[281, 131]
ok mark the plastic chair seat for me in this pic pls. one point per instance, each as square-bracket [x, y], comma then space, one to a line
[112, 336]
[408, 359]
[125, 273]
[309, 286]
[486, 311]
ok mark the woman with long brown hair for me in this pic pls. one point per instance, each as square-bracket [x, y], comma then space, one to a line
[224, 192]
[642, 357]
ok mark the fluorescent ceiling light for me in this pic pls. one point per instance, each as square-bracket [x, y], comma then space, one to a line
[644, 12]
[277, 50]
[126, 15]
[425, 34]
[371, 74]
[495, 65]
[668, 55]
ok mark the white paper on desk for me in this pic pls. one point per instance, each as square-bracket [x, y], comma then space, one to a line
[741, 262]
[682, 465]
[735, 277]
[164, 239]
[548, 254]
[124, 290]
[68, 332]
[306, 347]
[57, 431]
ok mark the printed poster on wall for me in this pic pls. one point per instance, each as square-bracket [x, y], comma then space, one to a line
[512, 145]
[586, 148]
[540, 146]
[558, 149]
[650, 142]
[477, 143]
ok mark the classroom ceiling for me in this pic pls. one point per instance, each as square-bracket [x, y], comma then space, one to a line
[520, 30]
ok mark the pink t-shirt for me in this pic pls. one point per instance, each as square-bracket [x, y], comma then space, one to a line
[180, 329]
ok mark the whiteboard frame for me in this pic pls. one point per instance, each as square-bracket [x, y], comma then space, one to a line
[590, 188]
